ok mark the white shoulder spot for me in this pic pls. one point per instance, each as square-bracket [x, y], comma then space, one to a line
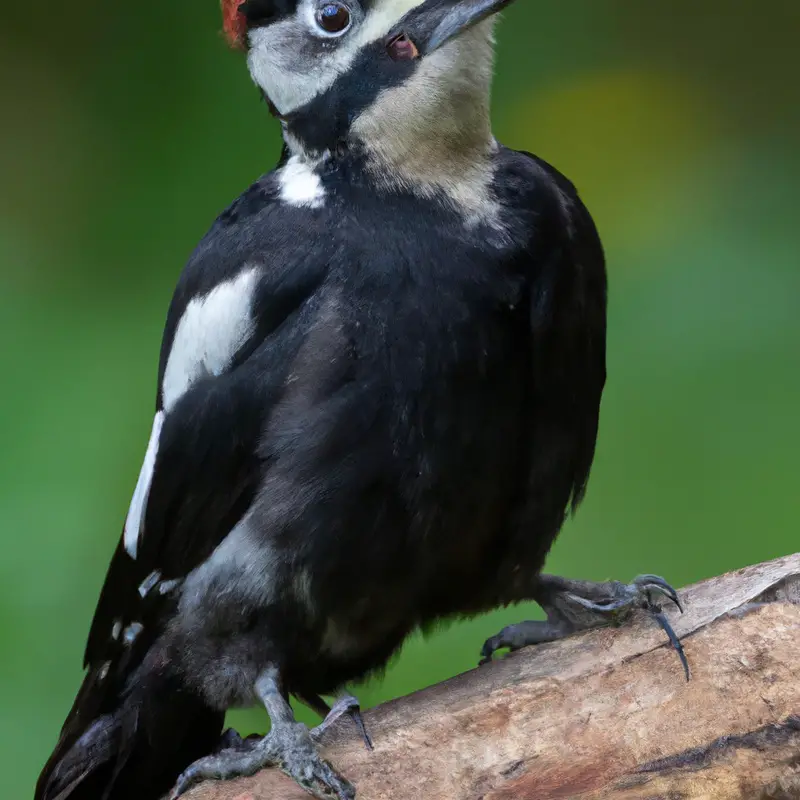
[300, 185]
[211, 330]
[135, 519]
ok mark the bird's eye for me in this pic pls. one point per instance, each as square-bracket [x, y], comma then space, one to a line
[334, 18]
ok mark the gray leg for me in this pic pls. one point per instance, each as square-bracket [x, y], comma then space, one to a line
[288, 746]
[573, 606]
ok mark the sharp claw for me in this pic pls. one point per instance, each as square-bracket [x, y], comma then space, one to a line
[642, 593]
[670, 594]
[492, 645]
[644, 583]
[658, 584]
[674, 640]
[667, 591]
[333, 784]
[488, 650]
[327, 783]
[180, 787]
[342, 788]
[673, 598]
[676, 600]
[355, 713]
[346, 704]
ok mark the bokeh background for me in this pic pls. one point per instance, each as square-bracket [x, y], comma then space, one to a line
[126, 127]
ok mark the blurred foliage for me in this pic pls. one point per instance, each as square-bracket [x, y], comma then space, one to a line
[127, 127]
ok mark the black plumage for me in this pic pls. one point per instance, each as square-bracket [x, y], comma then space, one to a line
[395, 437]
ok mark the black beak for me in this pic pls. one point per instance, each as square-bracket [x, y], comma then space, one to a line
[438, 21]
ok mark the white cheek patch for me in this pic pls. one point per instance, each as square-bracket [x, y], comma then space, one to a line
[299, 185]
[290, 79]
[133, 523]
[276, 66]
[211, 331]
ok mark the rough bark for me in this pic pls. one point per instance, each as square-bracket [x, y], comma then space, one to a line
[606, 714]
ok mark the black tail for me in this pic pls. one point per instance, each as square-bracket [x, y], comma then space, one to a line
[129, 744]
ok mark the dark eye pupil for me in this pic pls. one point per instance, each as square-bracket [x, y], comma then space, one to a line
[334, 17]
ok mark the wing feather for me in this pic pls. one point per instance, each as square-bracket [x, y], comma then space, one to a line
[132, 532]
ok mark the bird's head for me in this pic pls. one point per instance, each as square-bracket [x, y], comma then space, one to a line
[394, 77]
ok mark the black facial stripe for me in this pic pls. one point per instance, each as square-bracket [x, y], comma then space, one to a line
[324, 121]
[264, 12]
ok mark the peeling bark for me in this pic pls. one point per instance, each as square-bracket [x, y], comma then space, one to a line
[606, 714]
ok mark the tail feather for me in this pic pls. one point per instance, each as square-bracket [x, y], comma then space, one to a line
[78, 771]
[133, 752]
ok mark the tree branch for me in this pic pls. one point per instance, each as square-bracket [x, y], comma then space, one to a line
[607, 714]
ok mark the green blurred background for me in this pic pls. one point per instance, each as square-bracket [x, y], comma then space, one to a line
[128, 126]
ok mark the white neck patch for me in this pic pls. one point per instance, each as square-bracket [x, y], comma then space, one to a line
[300, 185]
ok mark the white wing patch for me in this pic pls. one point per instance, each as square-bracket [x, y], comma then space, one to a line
[211, 330]
[300, 185]
[133, 523]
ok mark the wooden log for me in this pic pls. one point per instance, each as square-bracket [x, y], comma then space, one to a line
[605, 714]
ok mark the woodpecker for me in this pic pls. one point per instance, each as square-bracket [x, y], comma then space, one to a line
[378, 399]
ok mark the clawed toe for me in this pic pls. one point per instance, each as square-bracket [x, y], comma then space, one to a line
[334, 785]
[232, 740]
[362, 728]
[654, 583]
[345, 705]
[626, 597]
[297, 756]
[522, 634]
[289, 747]
[573, 606]
[649, 584]
[222, 764]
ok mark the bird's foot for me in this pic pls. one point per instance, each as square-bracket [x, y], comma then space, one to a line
[347, 704]
[231, 739]
[288, 746]
[573, 606]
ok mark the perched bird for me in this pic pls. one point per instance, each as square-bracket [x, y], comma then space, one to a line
[378, 398]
